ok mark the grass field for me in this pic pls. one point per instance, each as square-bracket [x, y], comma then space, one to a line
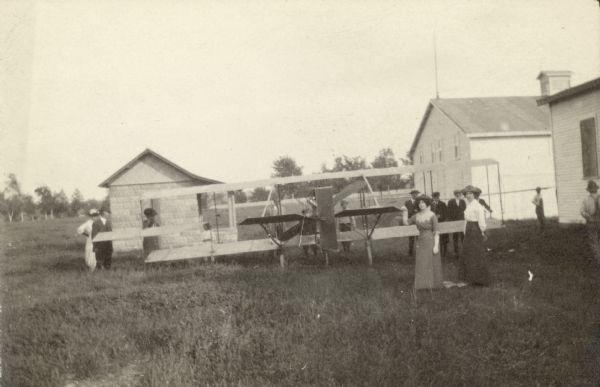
[246, 322]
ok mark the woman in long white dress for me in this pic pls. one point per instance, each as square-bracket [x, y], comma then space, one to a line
[86, 230]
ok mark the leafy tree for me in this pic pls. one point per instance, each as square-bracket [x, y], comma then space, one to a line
[259, 194]
[3, 205]
[46, 200]
[346, 163]
[77, 203]
[15, 205]
[286, 166]
[13, 197]
[61, 203]
[386, 159]
[240, 196]
[340, 164]
[28, 207]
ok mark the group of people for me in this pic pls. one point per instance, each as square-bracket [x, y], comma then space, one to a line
[98, 255]
[426, 213]
[423, 211]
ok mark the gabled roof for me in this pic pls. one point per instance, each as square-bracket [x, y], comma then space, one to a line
[592, 85]
[506, 116]
[202, 180]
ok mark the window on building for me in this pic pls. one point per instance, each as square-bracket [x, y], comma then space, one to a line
[440, 148]
[420, 157]
[588, 147]
[433, 152]
[456, 147]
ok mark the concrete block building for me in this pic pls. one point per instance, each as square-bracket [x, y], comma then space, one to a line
[150, 171]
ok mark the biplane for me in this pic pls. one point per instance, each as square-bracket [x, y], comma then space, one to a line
[312, 221]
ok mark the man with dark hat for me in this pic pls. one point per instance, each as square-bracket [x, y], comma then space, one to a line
[150, 244]
[439, 208]
[411, 206]
[591, 214]
[456, 211]
[102, 249]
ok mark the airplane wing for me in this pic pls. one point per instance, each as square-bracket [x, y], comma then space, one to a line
[273, 219]
[171, 192]
[134, 233]
[367, 211]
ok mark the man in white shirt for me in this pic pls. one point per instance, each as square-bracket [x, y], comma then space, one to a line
[538, 202]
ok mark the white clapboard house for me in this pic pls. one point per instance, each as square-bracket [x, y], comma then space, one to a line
[515, 131]
[575, 113]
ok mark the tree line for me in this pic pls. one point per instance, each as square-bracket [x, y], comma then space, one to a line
[18, 205]
[285, 166]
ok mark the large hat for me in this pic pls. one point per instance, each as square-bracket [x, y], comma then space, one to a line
[592, 186]
[414, 191]
[435, 195]
[104, 209]
[423, 198]
[470, 188]
[93, 212]
[148, 212]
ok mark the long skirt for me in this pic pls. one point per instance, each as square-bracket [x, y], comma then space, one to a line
[428, 267]
[90, 256]
[149, 244]
[472, 261]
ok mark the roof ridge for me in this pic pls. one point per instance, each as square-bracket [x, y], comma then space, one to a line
[149, 151]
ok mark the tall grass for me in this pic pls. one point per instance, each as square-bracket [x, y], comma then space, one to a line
[244, 321]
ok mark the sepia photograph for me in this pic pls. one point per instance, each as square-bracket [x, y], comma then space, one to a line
[299, 193]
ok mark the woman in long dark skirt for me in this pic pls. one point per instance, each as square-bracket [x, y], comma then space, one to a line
[472, 263]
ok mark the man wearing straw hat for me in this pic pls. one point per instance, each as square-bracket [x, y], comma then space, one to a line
[591, 213]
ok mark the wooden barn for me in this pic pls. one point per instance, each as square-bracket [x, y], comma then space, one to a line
[515, 131]
[575, 113]
[150, 171]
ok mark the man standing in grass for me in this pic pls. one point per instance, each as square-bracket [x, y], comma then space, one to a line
[102, 249]
[412, 208]
[591, 213]
[456, 211]
[538, 202]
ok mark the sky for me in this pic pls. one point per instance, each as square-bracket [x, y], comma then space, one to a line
[223, 88]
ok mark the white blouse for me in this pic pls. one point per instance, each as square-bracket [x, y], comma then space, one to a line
[86, 228]
[475, 213]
